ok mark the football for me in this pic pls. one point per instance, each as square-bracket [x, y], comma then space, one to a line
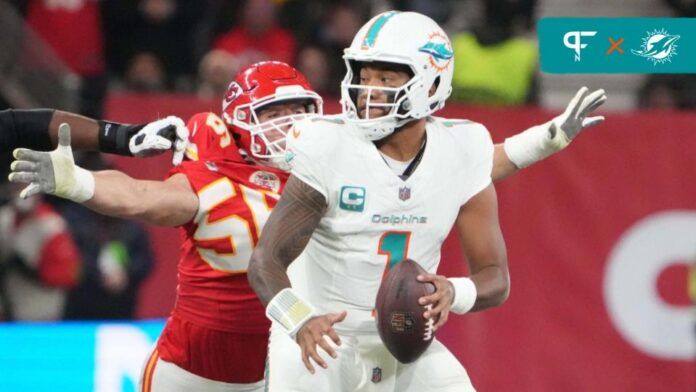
[400, 322]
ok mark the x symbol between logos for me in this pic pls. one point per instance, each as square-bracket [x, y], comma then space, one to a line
[615, 45]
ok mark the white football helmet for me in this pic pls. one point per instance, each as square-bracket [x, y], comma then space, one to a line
[407, 38]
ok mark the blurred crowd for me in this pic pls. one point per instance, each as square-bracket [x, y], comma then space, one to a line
[197, 46]
[61, 261]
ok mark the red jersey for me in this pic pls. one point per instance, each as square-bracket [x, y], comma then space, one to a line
[218, 329]
[235, 200]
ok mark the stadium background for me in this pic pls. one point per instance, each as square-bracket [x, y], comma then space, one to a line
[600, 237]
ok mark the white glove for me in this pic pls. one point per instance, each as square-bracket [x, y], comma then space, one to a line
[541, 141]
[52, 172]
[158, 136]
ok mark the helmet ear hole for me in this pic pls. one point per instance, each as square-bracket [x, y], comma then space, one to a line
[435, 85]
[355, 67]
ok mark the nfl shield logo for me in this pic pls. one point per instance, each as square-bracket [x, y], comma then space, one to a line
[376, 375]
[404, 193]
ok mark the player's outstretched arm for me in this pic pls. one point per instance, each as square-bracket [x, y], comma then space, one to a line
[162, 203]
[503, 167]
[283, 238]
[37, 129]
[539, 142]
[166, 203]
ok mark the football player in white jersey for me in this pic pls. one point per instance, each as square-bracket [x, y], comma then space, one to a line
[383, 182]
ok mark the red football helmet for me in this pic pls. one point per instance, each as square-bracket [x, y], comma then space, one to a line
[256, 88]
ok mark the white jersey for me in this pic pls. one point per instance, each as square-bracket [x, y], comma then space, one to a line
[374, 218]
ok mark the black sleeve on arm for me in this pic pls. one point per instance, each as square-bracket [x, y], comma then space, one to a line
[114, 137]
[25, 128]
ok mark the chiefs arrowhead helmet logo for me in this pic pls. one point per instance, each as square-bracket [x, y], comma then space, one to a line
[233, 92]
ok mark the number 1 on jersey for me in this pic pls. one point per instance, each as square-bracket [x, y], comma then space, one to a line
[394, 245]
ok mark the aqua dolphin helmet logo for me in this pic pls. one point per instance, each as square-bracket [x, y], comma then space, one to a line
[439, 50]
[658, 47]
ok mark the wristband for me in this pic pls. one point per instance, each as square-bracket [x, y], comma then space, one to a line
[84, 189]
[80, 190]
[534, 144]
[289, 311]
[464, 294]
[114, 137]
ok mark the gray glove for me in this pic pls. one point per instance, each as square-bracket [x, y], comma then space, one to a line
[52, 172]
[574, 119]
[541, 141]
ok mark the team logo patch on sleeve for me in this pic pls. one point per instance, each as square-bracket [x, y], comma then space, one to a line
[266, 180]
[289, 155]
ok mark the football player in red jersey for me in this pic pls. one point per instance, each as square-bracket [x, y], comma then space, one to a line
[217, 334]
